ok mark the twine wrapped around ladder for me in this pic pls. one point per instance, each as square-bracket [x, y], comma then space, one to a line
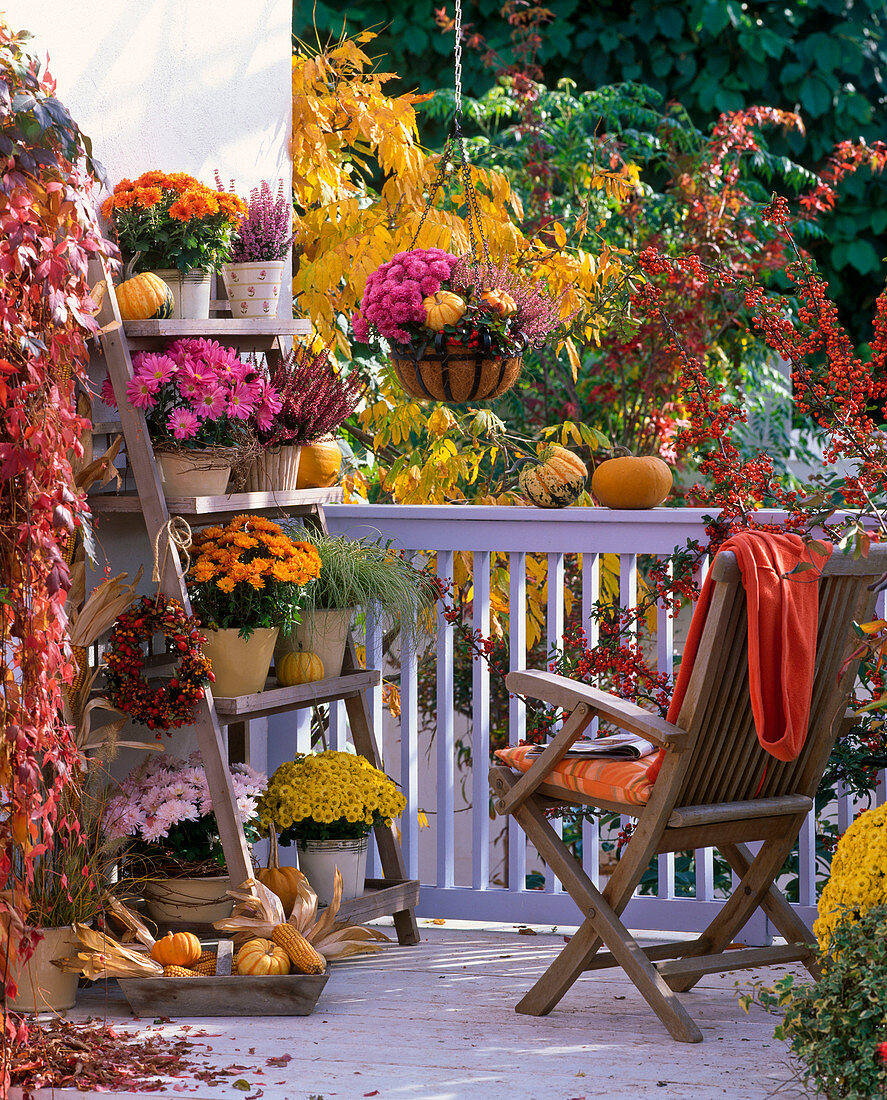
[178, 533]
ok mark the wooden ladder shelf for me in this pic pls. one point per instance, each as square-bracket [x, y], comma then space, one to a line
[393, 894]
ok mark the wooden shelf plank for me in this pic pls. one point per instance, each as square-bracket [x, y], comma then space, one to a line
[276, 700]
[380, 898]
[208, 508]
[173, 327]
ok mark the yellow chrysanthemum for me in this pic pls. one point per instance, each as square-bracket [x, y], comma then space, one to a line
[858, 880]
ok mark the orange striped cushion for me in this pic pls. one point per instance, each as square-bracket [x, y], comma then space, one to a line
[612, 780]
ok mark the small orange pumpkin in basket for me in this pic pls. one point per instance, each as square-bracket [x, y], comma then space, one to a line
[177, 949]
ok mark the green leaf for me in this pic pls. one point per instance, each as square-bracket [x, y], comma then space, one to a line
[241, 1084]
[816, 96]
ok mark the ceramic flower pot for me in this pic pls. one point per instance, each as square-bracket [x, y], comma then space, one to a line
[240, 665]
[42, 987]
[192, 474]
[324, 633]
[190, 291]
[276, 470]
[319, 465]
[254, 289]
[318, 860]
[188, 900]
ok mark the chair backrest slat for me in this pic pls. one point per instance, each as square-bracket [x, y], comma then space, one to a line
[727, 762]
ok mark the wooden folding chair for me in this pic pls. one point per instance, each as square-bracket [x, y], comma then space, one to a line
[717, 788]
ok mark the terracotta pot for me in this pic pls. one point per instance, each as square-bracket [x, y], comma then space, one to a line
[318, 860]
[275, 470]
[319, 465]
[324, 633]
[190, 474]
[240, 665]
[42, 987]
[254, 288]
[190, 291]
[188, 900]
[456, 376]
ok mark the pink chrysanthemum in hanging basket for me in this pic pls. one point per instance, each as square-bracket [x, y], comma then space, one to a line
[457, 327]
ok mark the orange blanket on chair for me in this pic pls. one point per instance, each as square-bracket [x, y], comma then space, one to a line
[783, 616]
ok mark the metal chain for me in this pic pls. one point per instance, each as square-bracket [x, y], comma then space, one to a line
[457, 52]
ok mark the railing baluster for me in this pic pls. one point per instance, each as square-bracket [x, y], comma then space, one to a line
[517, 714]
[374, 658]
[807, 861]
[554, 627]
[591, 586]
[409, 752]
[446, 764]
[628, 586]
[480, 740]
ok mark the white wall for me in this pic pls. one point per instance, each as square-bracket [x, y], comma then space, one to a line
[179, 85]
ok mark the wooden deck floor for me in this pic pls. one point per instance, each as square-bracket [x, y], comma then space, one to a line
[437, 1022]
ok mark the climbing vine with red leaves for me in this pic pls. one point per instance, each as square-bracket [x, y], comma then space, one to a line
[48, 233]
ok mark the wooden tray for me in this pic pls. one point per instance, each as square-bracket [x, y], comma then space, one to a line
[236, 995]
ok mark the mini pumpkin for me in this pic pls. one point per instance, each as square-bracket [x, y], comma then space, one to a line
[632, 482]
[262, 957]
[555, 480]
[443, 308]
[283, 881]
[177, 949]
[144, 297]
[299, 668]
[499, 302]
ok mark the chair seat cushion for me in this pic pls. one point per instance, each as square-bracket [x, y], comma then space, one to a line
[611, 780]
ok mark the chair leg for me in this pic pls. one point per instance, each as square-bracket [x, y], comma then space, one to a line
[602, 924]
[753, 887]
[778, 910]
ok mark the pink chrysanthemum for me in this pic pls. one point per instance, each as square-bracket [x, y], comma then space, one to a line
[183, 423]
[210, 404]
[240, 401]
[155, 365]
[393, 295]
[107, 392]
[141, 390]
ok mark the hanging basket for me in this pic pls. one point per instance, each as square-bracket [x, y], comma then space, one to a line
[438, 372]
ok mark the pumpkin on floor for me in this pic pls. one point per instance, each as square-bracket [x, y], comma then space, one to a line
[144, 297]
[177, 949]
[555, 480]
[632, 482]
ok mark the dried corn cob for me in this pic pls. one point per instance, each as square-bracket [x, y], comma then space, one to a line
[301, 954]
[206, 964]
[179, 972]
[205, 957]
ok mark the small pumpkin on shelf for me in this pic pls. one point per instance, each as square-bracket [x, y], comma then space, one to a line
[632, 482]
[300, 667]
[177, 949]
[555, 479]
[262, 957]
[144, 297]
[443, 308]
[283, 881]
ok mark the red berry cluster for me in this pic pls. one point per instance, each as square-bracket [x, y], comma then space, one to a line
[170, 705]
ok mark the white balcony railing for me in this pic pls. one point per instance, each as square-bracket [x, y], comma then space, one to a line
[472, 866]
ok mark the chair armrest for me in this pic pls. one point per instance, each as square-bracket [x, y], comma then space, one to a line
[567, 694]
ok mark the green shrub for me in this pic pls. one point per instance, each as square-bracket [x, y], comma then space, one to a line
[834, 1026]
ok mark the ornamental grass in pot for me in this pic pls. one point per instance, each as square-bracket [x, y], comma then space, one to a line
[246, 582]
[327, 803]
[298, 449]
[177, 227]
[163, 814]
[202, 404]
[254, 272]
[356, 574]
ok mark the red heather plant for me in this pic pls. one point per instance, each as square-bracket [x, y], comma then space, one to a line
[47, 234]
[315, 397]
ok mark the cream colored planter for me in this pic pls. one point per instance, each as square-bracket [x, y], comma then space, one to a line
[276, 470]
[318, 860]
[324, 633]
[240, 665]
[42, 987]
[254, 289]
[190, 291]
[184, 900]
[192, 474]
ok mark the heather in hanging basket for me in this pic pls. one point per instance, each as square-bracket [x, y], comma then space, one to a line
[457, 327]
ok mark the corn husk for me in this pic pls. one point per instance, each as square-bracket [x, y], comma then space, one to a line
[105, 957]
[136, 929]
[258, 911]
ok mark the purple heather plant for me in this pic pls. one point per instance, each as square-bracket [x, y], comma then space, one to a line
[266, 233]
[315, 397]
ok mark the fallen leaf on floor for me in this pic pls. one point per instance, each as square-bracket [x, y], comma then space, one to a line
[528, 931]
[437, 920]
[241, 1084]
